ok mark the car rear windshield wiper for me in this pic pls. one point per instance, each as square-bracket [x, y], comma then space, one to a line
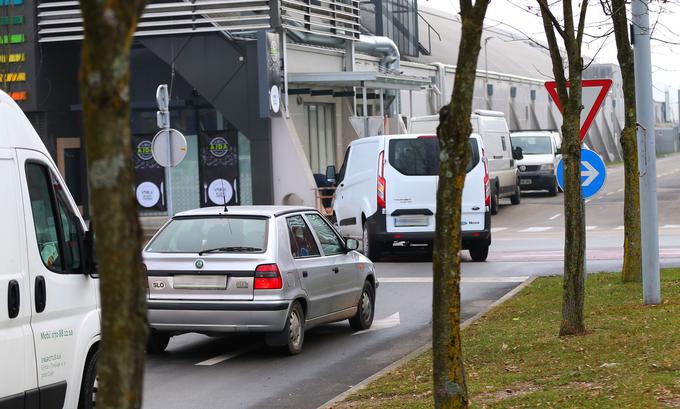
[228, 249]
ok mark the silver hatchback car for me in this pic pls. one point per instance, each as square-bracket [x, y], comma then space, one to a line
[276, 270]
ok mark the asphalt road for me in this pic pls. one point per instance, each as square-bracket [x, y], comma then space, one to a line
[239, 372]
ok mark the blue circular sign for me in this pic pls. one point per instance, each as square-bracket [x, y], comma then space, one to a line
[593, 173]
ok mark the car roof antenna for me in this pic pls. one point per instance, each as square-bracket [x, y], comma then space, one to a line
[224, 198]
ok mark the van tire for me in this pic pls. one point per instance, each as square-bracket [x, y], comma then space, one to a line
[292, 337]
[371, 248]
[479, 252]
[88, 388]
[552, 190]
[494, 201]
[157, 342]
[365, 309]
[517, 197]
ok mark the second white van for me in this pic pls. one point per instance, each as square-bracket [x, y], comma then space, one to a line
[387, 193]
[49, 306]
[493, 128]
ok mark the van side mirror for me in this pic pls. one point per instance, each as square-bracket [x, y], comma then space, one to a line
[558, 151]
[331, 174]
[89, 254]
[517, 153]
[352, 244]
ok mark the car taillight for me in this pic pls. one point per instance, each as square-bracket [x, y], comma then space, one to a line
[487, 185]
[381, 180]
[268, 277]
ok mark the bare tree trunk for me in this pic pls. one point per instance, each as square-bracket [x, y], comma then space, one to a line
[104, 77]
[450, 389]
[574, 209]
[632, 254]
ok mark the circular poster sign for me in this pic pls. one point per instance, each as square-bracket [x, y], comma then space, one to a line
[220, 191]
[148, 194]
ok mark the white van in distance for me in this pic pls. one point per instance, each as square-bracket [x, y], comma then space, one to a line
[493, 129]
[49, 308]
[387, 192]
[541, 151]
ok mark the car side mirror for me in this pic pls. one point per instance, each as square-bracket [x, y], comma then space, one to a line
[352, 244]
[517, 153]
[331, 174]
[558, 151]
[89, 254]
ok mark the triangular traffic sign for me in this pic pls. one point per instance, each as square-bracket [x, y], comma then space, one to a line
[592, 96]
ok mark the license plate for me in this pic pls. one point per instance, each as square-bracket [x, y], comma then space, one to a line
[525, 181]
[199, 282]
[411, 221]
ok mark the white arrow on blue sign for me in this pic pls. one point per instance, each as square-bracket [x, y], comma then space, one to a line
[593, 173]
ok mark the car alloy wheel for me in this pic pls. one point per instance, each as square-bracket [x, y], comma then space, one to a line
[295, 329]
[366, 306]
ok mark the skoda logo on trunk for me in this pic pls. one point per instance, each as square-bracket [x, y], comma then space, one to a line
[199, 264]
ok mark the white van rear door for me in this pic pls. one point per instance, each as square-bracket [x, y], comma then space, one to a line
[16, 338]
[64, 303]
[411, 169]
[474, 194]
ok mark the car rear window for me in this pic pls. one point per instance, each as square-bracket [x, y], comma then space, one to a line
[218, 234]
[420, 156]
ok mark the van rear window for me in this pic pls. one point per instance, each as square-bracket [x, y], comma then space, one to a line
[420, 156]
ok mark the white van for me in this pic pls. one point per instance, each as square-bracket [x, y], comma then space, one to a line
[541, 151]
[493, 128]
[387, 192]
[49, 312]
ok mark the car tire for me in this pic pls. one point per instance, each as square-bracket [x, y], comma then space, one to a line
[479, 252]
[292, 337]
[365, 309]
[552, 190]
[157, 342]
[517, 197]
[494, 201]
[88, 389]
[371, 248]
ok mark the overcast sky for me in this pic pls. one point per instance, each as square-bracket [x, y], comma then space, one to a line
[516, 16]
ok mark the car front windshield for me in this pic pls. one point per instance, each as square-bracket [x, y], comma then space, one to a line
[232, 234]
[533, 145]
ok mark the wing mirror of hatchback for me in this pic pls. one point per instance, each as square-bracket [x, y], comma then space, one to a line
[331, 174]
[352, 244]
[517, 153]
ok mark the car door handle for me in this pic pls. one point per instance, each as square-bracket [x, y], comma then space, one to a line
[40, 294]
[13, 299]
[336, 270]
[305, 274]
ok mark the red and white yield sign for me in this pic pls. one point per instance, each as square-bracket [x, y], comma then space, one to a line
[592, 96]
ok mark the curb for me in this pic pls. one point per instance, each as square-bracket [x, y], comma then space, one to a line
[420, 350]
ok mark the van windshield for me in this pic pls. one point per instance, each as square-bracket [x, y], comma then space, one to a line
[231, 234]
[420, 156]
[533, 145]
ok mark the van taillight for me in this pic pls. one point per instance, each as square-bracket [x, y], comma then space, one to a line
[487, 185]
[268, 277]
[381, 180]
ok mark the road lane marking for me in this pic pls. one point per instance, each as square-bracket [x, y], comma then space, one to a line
[588, 228]
[497, 229]
[464, 280]
[390, 322]
[535, 229]
[555, 216]
[224, 357]
[610, 193]
[588, 201]
[671, 226]
[620, 190]
[620, 228]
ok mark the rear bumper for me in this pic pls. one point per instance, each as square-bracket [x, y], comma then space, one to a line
[217, 317]
[537, 180]
[378, 227]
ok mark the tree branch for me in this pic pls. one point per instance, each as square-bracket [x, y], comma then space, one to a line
[545, 11]
[582, 23]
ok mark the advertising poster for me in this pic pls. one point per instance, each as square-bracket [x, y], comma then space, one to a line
[219, 168]
[149, 175]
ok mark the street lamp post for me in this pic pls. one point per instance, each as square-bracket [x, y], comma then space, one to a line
[486, 69]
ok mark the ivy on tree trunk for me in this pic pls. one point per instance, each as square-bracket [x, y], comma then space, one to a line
[104, 78]
[632, 253]
[450, 390]
[574, 209]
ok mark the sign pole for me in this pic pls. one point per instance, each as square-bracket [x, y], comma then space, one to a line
[163, 119]
[651, 286]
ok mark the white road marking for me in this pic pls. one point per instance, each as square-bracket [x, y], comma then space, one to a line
[588, 228]
[620, 190]
[671, 226]
[610, 193]
[620, 228]
[497, 229]
[555, 216]
[535, 229]
[464, 280]
[224, 357]
[588, 201]
[390, 322]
